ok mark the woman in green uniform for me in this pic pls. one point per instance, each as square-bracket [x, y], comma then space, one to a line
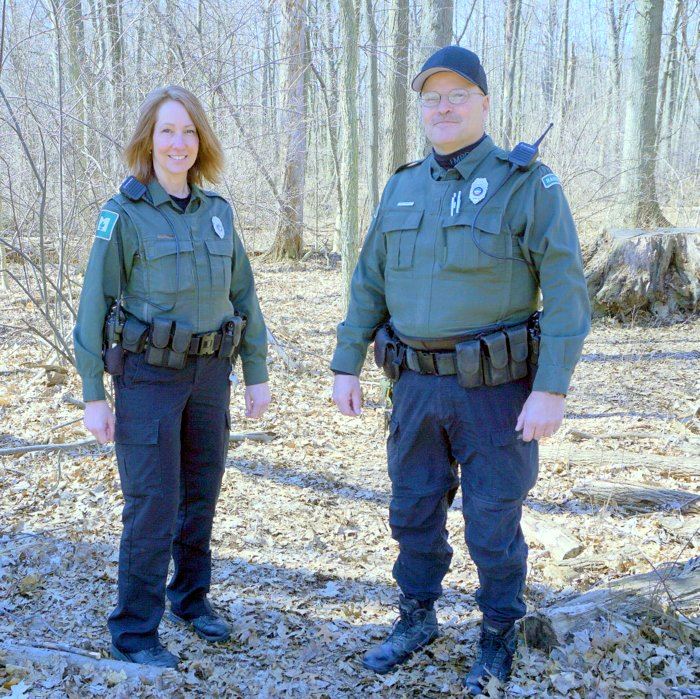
[166, 251]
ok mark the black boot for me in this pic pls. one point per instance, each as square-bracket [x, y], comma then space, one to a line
[496, 651]
[416, 628]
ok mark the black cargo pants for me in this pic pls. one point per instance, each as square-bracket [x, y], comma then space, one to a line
[171, 438]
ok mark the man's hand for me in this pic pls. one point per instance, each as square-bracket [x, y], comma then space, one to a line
[257, 398]
[347, 394]
[541, 415]
[99, 419]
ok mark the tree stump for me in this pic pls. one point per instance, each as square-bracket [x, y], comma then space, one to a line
[657, 271]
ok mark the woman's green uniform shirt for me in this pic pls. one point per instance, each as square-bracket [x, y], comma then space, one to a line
[420, 266]
[177, 266]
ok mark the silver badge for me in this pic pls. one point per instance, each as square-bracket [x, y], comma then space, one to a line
[218, 226]
[478, 191]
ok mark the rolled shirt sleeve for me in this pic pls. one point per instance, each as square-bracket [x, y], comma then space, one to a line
[555, 251]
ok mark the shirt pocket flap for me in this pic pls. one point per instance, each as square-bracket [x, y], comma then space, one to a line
[400, 220]
[487, 221]
[219, 247]
[141, 431]
[504, 437]
[155, 249]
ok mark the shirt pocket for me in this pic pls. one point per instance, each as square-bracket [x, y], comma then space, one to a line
[465, 249]
[400, 229]
[170, 265]
[220, 254]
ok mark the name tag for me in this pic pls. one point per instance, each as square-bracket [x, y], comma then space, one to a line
[406, 203]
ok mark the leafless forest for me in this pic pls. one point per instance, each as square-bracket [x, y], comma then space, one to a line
[312, 103]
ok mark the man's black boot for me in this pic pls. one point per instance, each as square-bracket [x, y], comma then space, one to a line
[496, 651]
[210, 626]
[158, 655]
[414, 629]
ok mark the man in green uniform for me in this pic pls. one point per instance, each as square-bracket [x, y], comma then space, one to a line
[459, 249]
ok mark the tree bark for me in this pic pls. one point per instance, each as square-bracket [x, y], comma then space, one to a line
[288, 241]
[649, 271]
[638, 498]
[398, 91]
[349, 234]
[640, 208]
[373, 107]
[512, 31]
[674, 586]
[436, 26]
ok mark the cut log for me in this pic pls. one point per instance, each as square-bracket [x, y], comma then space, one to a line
[19, 653]
[560, 544]
[657, 271]
[675, 586]
[670, 466]
[637, 497]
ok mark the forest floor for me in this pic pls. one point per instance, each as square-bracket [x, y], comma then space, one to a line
[302, 549]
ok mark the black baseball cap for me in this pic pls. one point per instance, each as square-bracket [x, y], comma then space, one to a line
[457, 59]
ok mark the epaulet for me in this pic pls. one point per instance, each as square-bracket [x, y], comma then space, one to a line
[132, 188]
[212, 193]
[405, 166]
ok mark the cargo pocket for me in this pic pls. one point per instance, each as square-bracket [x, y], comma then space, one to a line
[400, 229]
[461, 252]
[170, 265]
[138, 456]
[515, 461]
[220, 253]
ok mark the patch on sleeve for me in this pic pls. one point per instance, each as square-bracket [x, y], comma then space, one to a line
[105, 224]
[550, 180]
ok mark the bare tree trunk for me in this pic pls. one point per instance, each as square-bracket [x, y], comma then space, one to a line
[373, 107]
[513, 12]
[669, 87]
[349, 239]
[564, 74]
[436, 26]
[640, 207]
[289, 238]
[398, 91]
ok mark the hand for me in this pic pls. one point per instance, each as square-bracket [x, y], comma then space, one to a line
[257, 398]
[99, 419]
[347, 394]
[541, 415]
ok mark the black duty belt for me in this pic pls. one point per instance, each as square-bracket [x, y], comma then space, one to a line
[425, 362]
[205, 344]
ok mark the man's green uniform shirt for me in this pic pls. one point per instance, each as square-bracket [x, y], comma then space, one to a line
[177, 266]
[420, 266]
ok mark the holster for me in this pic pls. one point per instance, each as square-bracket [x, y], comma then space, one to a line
[112, 352]
[469, 366]
[134, 335]
[113, 360]
[496, 359]
[387, 354]
[533, 338]
[231, 336]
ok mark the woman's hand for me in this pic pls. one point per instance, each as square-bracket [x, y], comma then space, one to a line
[257, 398]
[99, 419]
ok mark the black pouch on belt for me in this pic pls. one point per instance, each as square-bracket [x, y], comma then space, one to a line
[469, 370]
[231, 335]
[134, 335]
[533, 336]
[496, 359]
[158, 341]
[179, 346]
[517, 351]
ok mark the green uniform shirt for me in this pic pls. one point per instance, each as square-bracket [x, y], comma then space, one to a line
[176, 266]
[421, 266]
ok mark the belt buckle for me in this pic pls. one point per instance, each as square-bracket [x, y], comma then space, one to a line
[206, 343]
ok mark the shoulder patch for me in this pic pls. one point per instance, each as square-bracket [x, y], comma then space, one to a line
[105, 224]
[549, 180]
[405, 166]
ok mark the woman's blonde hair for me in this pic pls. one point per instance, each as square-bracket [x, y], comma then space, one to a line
[138, 152]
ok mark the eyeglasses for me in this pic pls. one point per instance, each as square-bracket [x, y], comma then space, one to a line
[457, 96]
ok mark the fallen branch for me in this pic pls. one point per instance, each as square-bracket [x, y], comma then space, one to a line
[560, 544]
[670, 466]
[638, 498]
[25, 449]
[675, 585]
[19, 653]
